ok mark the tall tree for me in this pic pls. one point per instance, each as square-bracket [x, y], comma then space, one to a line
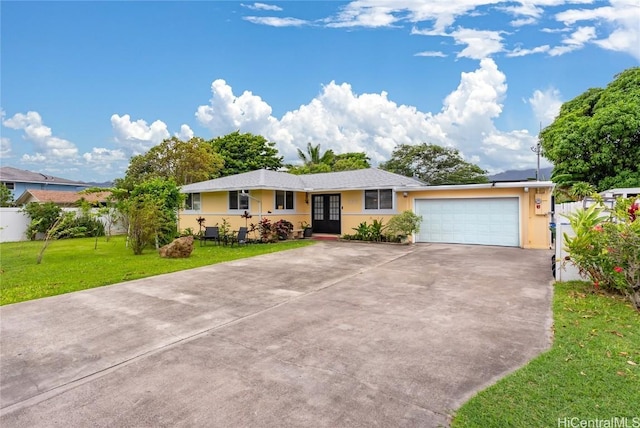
[246, 152]
[184, 162]
[350, 161]
[6, 197]
[151, 212]
[433, 164]
[313, 156]
[596, 136]
[314, 161]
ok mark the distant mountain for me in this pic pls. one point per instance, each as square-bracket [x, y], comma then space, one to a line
[106, 184]
[521, 175]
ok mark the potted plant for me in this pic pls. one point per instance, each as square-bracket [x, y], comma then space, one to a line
[306, 228]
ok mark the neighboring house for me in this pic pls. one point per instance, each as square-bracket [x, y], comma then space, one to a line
[14, 221]
[508, 214]
[62, 198]
[19, 180]
[627, 192]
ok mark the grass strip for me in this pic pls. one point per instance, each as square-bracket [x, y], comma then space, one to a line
[590, 376]
[76, 264]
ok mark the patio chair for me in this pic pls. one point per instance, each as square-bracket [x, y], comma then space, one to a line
[211, 233]
[241, 237]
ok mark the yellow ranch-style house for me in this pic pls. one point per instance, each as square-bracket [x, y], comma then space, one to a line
[514, 214]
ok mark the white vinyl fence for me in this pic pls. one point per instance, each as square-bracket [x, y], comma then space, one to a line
[14, 223]
[565, 269]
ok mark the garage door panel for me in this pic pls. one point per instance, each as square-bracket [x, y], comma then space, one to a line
[487, 221]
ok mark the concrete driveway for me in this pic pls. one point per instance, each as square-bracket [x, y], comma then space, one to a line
[332, 335]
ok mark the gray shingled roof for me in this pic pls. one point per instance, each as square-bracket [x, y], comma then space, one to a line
[10, 174]
[259, 179]
[344, 180]
[358, 179]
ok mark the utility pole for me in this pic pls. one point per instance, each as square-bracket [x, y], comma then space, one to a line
[537, 149]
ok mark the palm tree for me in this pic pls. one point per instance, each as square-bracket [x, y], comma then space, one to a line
[312, 157]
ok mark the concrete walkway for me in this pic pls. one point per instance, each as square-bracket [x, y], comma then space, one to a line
[336, 334]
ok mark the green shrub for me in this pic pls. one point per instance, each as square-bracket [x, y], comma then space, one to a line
[187, 232]
[404, 224]
[607, 248]
[91, 226]
[363, 232]
[43, 217]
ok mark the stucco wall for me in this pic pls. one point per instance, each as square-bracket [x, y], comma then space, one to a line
[215, 208]
[534, 226]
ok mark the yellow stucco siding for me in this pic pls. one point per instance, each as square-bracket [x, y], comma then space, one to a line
[539, 235]
[353, 212]
[534, 220]
[215, 208]
[350, 221]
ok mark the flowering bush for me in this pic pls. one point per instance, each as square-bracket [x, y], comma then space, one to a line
[282, 228]
[271, 232]
[606, 248]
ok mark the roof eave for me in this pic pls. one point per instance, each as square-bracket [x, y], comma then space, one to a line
[494, 185]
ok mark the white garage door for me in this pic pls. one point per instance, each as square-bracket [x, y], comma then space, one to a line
[490, 221]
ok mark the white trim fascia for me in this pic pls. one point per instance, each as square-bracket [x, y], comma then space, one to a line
[506, 185]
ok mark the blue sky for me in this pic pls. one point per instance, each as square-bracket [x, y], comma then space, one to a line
[87, 85]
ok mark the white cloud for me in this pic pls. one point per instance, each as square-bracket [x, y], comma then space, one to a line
[185, 133]
[480, 44]
[575, 41]
[273, 21]
[5, 147]
[508, 150]
[546, 105]
[105, 161]
[365, 14]
[555, 30]
[99, 155]
[227, 113]
[343, 121]
[385, 13]
[523, 52]
[623, 19]
[522, 22]
[45, 144]
[339, 119]
[524, 9]
[467, 119]
[35, 158]
[479, 95]
[138, 137]
[262, 6]
[431, 54]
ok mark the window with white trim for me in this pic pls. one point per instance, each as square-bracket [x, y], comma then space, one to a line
[284, 200]
[238, 201]
[10, 186]
[378, 199]
[192, 202]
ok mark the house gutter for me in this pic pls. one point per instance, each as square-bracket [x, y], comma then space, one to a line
[494, 185]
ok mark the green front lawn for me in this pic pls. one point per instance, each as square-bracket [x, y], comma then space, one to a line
[591, 373]
[73, 264]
